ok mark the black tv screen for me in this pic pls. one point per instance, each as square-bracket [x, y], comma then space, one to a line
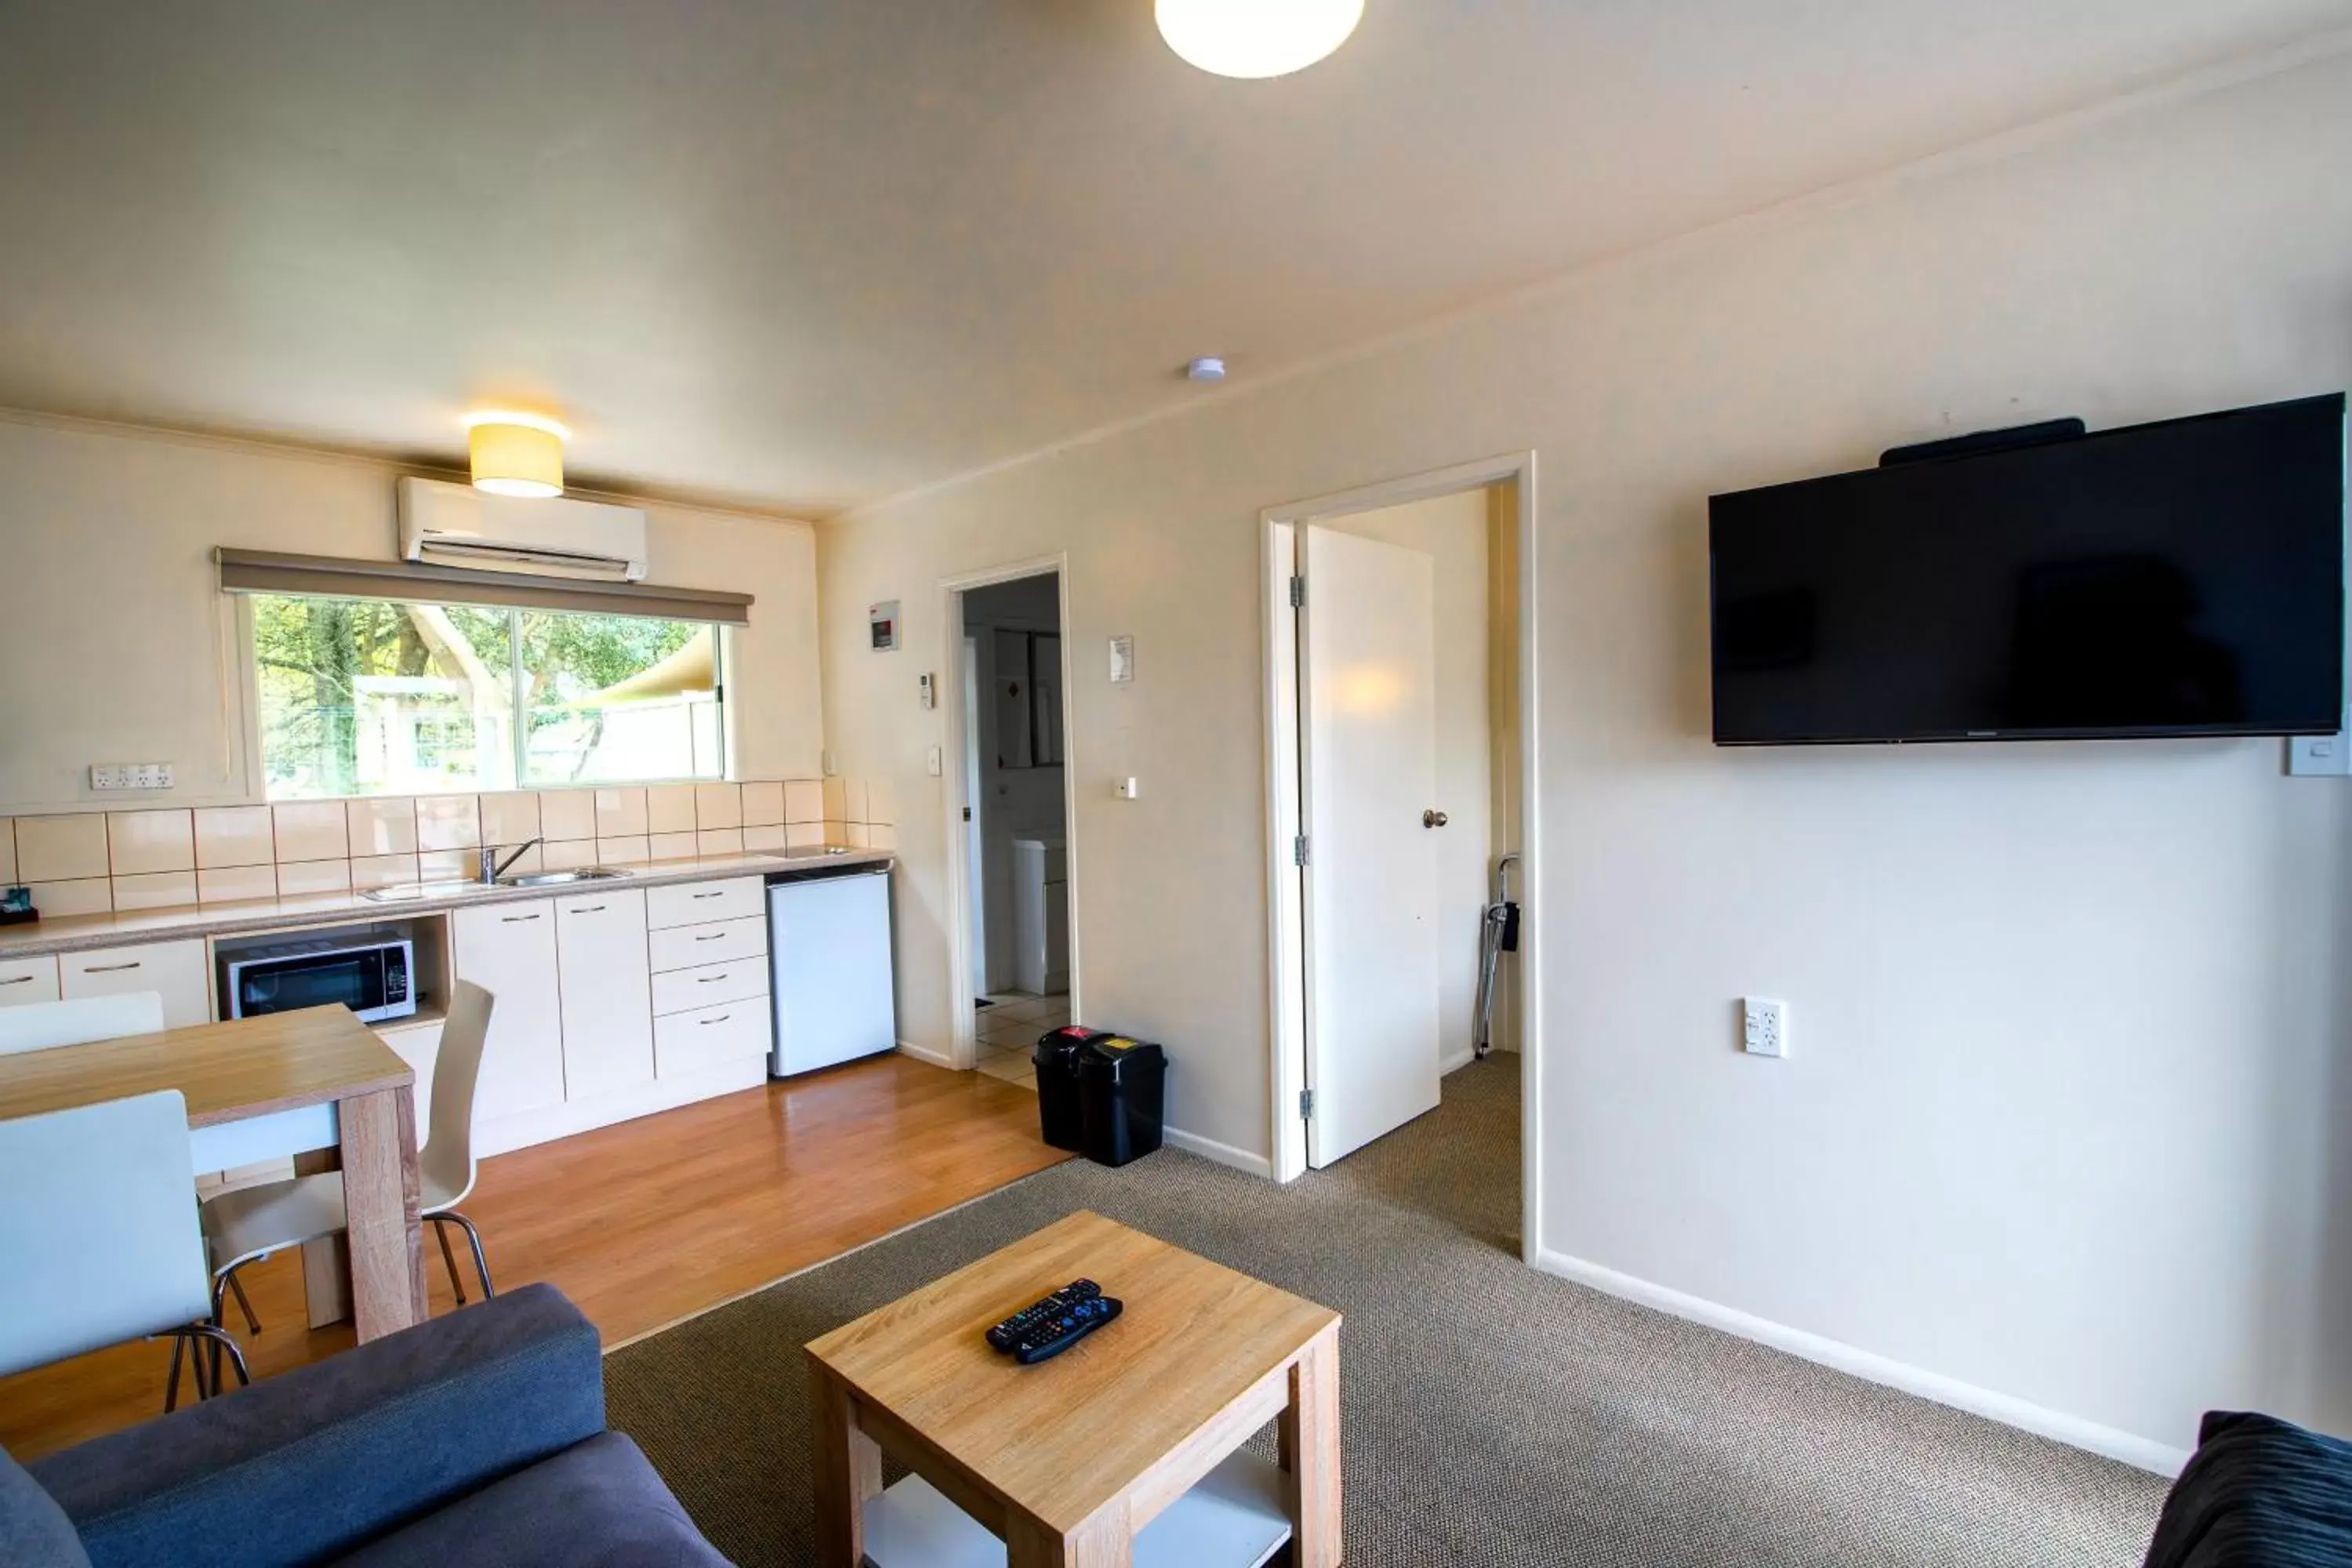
[2182, 578]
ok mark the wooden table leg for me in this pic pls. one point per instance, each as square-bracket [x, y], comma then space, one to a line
[1309, 1439]
[379, 1201]
[1105, 1540]
[846, 1471]
[327, 1262]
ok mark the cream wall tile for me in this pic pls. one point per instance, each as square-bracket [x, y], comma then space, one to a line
[141, 842]
[527, 864]
[669, 808]
[671, 845]
[156, 890]
[805, 800]
[83, 896]
[236, 836]
[881, 801]
[768, 836]
[8, 852]
[621, 814]
[763, 804]
[567, 854]
[385, 825]
[567, 814]
[630, 850]
[445, 865]
[61, 849]
[384, 870]
[835, 800]
[804, 835]
[719, 841]
[449, 821]
[718, 806]
[856, 832]
[510, 818]
[314, 877]
[313, 830]
[853, 800]
[881, 836]
[229, 884]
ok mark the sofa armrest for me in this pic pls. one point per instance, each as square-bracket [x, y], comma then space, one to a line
[314, 1463]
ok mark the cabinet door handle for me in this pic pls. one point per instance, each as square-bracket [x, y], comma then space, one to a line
[16, 980]
[705, 980]
[109, 968]
[714, 936]
[720, 894]
[720, 1019]
[517, 919]
[589, 910]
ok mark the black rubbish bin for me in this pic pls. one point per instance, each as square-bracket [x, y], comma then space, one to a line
[1057, 1060]
[1122, 1091]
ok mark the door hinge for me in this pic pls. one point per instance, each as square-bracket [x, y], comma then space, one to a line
[1298, 850]
[1297, 593]
[1307, 1105]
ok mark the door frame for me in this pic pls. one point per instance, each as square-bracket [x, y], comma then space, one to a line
[964, 1045]
[1285, 927]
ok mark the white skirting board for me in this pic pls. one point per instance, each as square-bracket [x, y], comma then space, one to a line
[1223, 1153]
[2142, 1452]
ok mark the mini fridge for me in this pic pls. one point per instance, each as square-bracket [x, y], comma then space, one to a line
[829, 963]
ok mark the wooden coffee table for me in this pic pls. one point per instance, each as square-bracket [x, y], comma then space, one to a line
[1067, 1461]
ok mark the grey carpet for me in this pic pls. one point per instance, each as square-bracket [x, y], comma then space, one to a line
[1491, 1414]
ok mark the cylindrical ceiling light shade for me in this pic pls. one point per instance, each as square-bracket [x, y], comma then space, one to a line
[516, 454]
[1255, 39]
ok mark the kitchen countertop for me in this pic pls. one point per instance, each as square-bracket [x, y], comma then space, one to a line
[75, 933]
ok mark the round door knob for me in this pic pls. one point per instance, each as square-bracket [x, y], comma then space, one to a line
[1432, 819]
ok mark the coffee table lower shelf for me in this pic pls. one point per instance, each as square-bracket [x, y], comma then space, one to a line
[1233, 1518]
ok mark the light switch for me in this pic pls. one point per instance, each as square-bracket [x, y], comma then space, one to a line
[934, 762]
[2320, 756]
[1130, 789]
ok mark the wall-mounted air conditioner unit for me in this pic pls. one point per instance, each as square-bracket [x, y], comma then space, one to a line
[444, 524]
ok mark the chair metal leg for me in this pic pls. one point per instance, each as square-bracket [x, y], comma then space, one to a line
[172, 1383]
[448, 1259]
[481, 1264]
[224, 1341]
[237, 1287]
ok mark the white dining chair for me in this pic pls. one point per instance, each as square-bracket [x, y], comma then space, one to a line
[44, 1025]
[100, 1230]
[250, 1224]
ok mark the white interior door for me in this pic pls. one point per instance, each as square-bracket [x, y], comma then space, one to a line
[1368, 654]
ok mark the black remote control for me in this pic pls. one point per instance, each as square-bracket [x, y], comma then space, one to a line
[1015, 1328]
[1066, 1328]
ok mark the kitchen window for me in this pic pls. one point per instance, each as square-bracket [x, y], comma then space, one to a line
[366, 696]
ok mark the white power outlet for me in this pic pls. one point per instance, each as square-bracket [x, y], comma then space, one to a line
[129, 776]
[1764, 1026]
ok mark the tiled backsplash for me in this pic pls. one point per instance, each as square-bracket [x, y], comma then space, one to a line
[93, 861]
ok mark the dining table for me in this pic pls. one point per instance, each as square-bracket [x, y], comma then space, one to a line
[316, 1086]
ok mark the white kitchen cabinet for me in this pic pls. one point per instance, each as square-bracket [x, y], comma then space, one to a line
[175, 970]
[692, 947]
[684, 990]
[23, 980]
[701, 903]
[508, 949]
[608, 1012]
[688, 1043]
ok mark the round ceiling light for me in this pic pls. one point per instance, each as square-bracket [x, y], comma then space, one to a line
[1257, 39]
[516, 454]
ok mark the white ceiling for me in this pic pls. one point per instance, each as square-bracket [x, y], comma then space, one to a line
[810, 254]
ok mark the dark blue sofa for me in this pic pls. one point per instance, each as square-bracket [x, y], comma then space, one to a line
[474, 1437]
[2258, 1493]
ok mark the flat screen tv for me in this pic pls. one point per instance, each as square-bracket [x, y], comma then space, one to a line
[2182, 578]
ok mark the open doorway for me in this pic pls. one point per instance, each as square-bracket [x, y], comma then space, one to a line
[1014, 818]
[1399, 664]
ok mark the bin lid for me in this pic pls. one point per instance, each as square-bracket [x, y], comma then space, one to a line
[1110, 1052]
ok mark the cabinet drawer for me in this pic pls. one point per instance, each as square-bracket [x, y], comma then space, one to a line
[175, 970]
[684, 990]
[691, 947]
[27, 980]
[708, 1037]
[700, 903]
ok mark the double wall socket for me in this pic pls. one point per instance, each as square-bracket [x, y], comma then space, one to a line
[129, 776]
[1764, 1026]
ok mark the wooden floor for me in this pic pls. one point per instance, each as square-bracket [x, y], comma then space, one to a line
[640, 1223]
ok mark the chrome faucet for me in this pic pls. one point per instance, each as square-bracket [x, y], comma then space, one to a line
[493, 867]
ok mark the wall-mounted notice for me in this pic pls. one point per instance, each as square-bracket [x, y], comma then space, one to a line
[883, 620]
[1122, 661]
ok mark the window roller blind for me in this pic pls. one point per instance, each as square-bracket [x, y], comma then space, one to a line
[327, 576]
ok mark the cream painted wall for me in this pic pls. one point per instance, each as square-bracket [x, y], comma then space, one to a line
[1452, 530]
[115, 644]
[2070, 1112]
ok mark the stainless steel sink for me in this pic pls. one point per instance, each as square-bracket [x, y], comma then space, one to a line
[560, 878]
[409, 892]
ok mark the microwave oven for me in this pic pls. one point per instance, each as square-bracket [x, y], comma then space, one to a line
[375, 977]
